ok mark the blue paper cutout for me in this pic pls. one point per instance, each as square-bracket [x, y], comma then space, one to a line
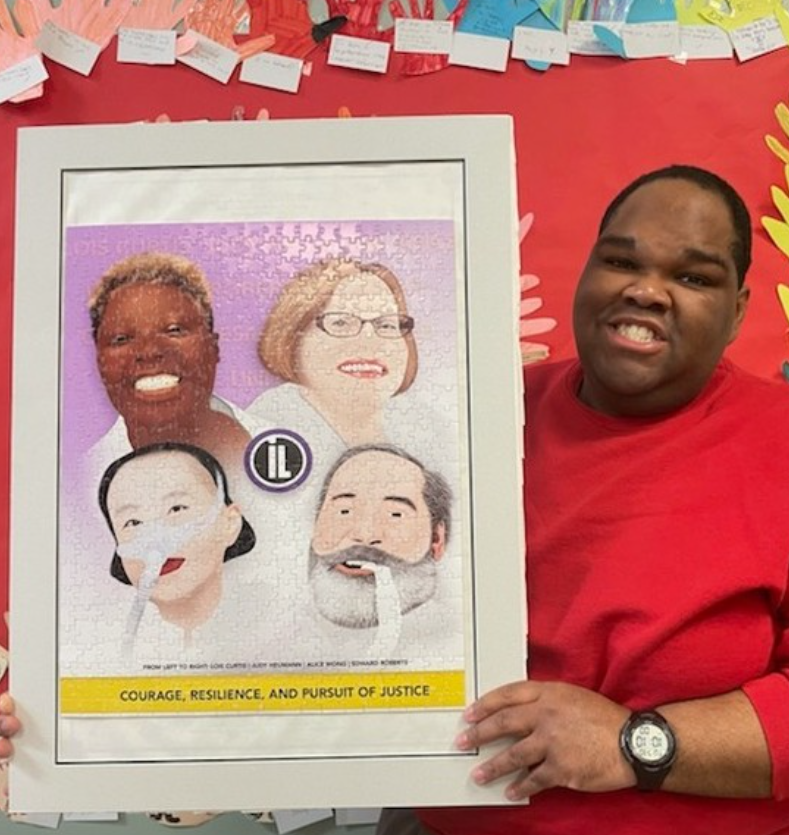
[610, 39]
[495, 18]
[652, 11]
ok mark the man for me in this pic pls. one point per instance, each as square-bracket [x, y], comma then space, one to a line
[658, 550]
[383, 522]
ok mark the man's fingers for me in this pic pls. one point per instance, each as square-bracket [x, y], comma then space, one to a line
[9, 725]
[508, 722]
[515, 693]
[7, 706]
[530, 782]
[520, 757]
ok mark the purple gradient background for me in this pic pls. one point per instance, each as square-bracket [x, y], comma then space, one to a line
[246, 265]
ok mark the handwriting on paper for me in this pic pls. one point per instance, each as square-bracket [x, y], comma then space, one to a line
[582, 40]
[146, 46]
[548, 46]
[21, 77]
[757, 38]
[495, 18]
[429, 36]
[67, 48]
[653, 39]
[210, 58]
[704, 42]
[359, 54]
[277, 72]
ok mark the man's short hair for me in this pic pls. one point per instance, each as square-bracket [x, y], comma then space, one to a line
[305, 297]
[158, 268]
[436, 492]
[740, 217]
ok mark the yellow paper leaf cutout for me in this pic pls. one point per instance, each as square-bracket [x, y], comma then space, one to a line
[778, 232]
[783, 297]
[779, 150]
[782, 115]
[781, 201]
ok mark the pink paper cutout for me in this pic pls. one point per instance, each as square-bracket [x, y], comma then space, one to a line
[156, 14]
[13, 50]
[531, 351]
[91, 20]
[217, 20]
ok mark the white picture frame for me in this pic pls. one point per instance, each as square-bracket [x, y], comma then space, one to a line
[455, 171]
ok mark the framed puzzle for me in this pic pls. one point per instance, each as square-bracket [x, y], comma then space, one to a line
[267, 538]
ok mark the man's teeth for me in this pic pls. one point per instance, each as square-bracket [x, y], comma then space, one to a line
[636, 333]
[157, 382]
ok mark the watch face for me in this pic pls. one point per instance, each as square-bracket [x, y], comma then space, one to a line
[649, 743]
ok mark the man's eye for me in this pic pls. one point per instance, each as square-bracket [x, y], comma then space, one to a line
[175, 330]
[132, 523]
[119, 339]
[694, 280]
[621, 263]
[178, 508]
[345, 512]
[396, 514]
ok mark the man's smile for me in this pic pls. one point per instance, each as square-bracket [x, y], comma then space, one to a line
[637, 334]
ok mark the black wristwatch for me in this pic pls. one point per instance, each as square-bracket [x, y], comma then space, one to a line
[648, 744]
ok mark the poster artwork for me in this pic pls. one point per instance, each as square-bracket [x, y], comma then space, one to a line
[260, 485]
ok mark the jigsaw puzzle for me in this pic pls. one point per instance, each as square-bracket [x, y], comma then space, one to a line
[262, 481]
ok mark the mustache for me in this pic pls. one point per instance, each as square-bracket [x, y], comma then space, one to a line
[359, 553]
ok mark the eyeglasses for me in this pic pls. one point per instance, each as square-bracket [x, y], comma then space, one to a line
[343, 325]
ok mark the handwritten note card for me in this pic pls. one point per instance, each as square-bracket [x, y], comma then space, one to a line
[582, 40]
[545, 45]
[146, 46]
[479, 51]
[277, 72]
[67, 48]
[415, 35]
[704, 42]
[656, 39]
[13, 81]
[757, 38]
[359, 54]
[210, 58]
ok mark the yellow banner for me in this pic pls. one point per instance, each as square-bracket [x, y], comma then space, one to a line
[262, 693]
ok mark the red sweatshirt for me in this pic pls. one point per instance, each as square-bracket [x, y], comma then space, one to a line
[658, 561]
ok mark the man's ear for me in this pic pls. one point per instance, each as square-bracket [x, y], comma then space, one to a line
[743, 296]
[439, 542]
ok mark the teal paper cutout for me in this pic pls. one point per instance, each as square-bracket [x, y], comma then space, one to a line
[495, 18]
[610, 39]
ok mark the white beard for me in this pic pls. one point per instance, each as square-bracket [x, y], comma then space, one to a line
[351, 601]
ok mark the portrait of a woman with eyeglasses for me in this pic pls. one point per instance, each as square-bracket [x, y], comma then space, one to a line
[342, 341]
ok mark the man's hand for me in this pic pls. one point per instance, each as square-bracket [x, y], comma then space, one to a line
[561, 735]
[9, 725]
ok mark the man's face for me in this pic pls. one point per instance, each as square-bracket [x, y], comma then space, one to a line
[657, 302]
[152, 500]
[156, 356]
[373, 519]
